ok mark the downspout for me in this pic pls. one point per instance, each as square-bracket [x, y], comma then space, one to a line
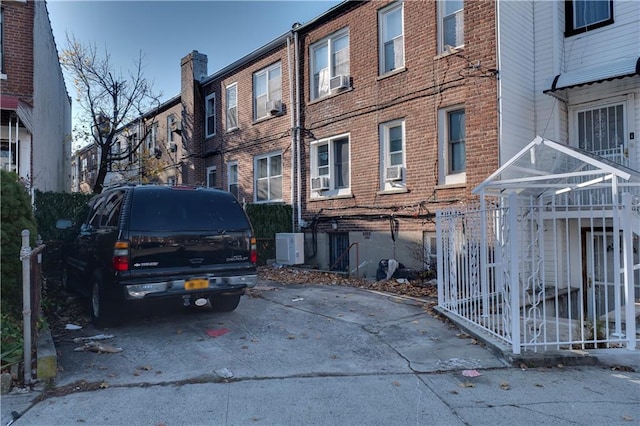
[293, 133]
[499, 83]
[297, 132]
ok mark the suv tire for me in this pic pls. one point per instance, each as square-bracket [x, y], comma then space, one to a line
[225, 303]
[101, 311]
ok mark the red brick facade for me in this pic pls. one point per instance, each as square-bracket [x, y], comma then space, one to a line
[415, 94]
[17, 52]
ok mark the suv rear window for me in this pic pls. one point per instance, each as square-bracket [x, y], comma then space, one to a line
[172, 209]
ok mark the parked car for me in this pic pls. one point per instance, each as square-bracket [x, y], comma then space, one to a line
[142, 242]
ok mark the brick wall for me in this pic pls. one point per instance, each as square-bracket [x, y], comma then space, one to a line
[18, 49]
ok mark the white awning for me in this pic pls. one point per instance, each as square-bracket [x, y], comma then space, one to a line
[625, 67]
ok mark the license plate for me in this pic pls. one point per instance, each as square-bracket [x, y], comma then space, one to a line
[196, 284]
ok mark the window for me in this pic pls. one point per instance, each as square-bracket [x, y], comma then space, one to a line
[268, 177]
[171, 180]
[329, 59]
[585, 15]
[211, 177]
[210, 111]
[267, 91]
[601, 128]
[152, 138]
[451, 129]
[232, 179]
[451, 23]
[330, 171]
[172, 126]
[391, 34]
[1, 41]
[392, 154]
[232, 106]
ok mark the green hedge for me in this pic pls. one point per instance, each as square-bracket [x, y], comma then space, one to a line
[267, 221]
[51, 206]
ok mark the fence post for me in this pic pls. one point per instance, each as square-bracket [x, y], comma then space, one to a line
[25, 257]
[514, 272]
[629, 287]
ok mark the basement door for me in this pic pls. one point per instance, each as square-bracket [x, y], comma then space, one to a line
[339, 251]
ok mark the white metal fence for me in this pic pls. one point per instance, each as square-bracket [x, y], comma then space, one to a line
[544, 275]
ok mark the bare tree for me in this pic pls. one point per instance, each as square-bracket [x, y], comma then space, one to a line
[108, 101]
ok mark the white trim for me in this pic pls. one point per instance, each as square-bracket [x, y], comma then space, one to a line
[385, 160]
[209, 170]
[444, 177]
[382, 13]
[207, 132]
[332, 191]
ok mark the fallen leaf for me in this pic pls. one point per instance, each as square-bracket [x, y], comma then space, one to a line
[146, 368]
[396, 383]
[178, 331]
[627, 418]
[467, 385]
[136, 373]
[474, 341]
[560, 366]
[245, 347]
[538, 385]
[523, 366]
[104, 385]
[291, 337]
[505, 386]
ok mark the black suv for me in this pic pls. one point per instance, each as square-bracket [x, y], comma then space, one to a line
[140, 242]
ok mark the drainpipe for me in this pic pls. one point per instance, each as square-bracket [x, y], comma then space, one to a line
[499, 83]
[293, 133]
[297, 132]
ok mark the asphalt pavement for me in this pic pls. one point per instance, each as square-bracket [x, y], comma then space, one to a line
[318, 355]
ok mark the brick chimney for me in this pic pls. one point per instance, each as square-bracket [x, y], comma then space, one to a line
[193, 70]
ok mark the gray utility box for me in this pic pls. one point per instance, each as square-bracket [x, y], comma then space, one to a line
[290, 248]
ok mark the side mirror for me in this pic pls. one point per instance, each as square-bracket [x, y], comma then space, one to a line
[64, 224]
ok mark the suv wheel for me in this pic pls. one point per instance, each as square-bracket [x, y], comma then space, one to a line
[100, 310]
[225, 303]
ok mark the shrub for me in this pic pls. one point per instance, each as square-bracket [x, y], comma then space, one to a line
[16, 214]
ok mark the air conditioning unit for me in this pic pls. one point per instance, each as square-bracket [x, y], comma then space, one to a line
[173, 147]
[290, 248]
[339, 82]
[274, 107]
[393, 173]
[176, 126]
[320, 183]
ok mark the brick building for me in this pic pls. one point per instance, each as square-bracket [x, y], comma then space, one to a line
[366, 120]
[35, 121]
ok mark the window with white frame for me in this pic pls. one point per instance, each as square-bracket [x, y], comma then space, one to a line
[152, 138]
[585, 15]
[267, 172]
[212, 177]
[232, 106]
[330, 167]
[330, 63]
[210, 115]
[171, 180]
[391, 37]
[600, 128]
[172, 126]
[232, 179]
[267, 91]
[451, 135]
[392, 154]
[451, 23]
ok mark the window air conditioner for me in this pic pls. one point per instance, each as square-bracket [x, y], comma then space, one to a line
[339, 82]
[173, 147]
[393, 173]
[320, 183]
[274, 107]
[176, 126]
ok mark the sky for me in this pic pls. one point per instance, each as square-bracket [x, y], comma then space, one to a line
[166, 31]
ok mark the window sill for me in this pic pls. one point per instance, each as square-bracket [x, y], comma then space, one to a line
[267, 117]
[330, 95]
[393, 191]
[233, 130]
[451, 185]
[391, 73]
[329, 197]
[446, 53]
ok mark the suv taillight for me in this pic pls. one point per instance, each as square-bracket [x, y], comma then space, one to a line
[254, 251]
[121, 256]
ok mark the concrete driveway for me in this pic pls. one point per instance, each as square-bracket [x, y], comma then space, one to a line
[304, 354]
